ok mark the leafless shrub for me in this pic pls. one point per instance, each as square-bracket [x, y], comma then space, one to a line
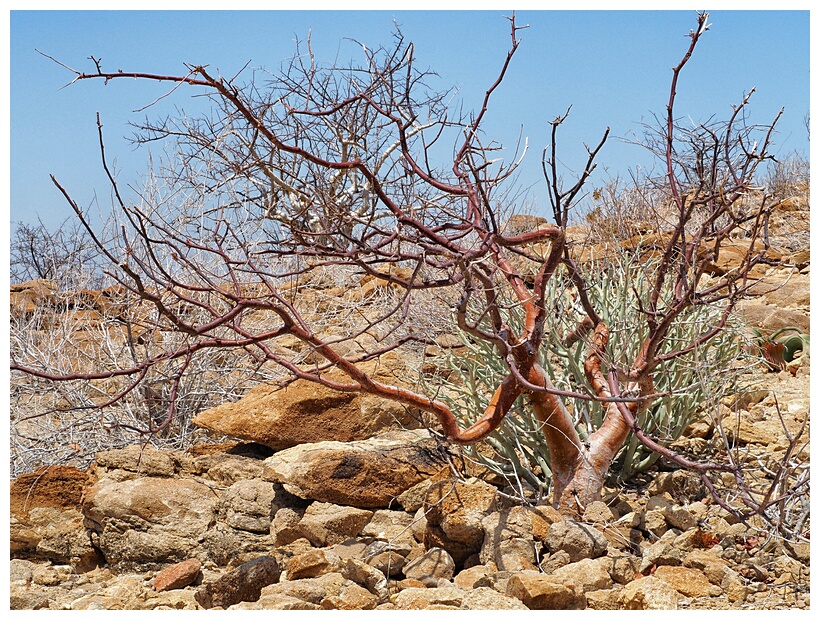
[66, 255]
[314, 173]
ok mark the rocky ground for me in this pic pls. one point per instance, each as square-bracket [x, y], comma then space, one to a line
[332, 501]
[383, 523]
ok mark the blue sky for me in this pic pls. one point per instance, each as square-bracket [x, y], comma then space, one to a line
[613, 67]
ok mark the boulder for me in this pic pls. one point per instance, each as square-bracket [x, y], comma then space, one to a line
[454, 512]
[248, 505]
[226, 546]
[46, 520]
[58, 486]
[508, 538]
[244, 583]
[21, 597]
[770, 318]
[326, 524]
[588, 574]
[428, 568]
[230, 463]
[145, 460]
[472, 577]
[579, 540]
[688, 581]
[364, 474]
[390, 525]
[387, 558]
[328, 591]
[539, 591]
[603, 600]
[488, 598]
[311, 563]
[734, 586]
[649, 593]
[284, 529]
[150, 520]
[622, 567]
[306, 412]
[177, 576]
[449, 597]
[660, 553]
[762, 425]
[784, 291]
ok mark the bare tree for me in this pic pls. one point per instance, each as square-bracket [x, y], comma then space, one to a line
[336, 173]
[66, 255]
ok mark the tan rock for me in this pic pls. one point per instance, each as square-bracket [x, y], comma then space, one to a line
[428, 568]
[598, 512]
[387, 561]
[150, 520]
[515, 554]
[539, 591]
[56, 535]
[454, 512]
[351, 596]
[26, 297]
[409, 583]
[784, 290]
[46, 517]
[654, 522]
[328, 591]
[284, 528]
[622, 568]
[244, 583]
[579, 540]
[739, 427]
[366, 576]
[365, 474]
[325, 524]
[542, 519]
[734, 586]
[487, 598]
[311, 563]
[587, 574]
[467, 578]
[170, 599]
[283, 602]
[248, 505]
[390, 525]
[770, 318]
[688, 581]
[604, 600]
[660, 553]
[225, 468]
[144, 460]
[648, 593]
[417, 598]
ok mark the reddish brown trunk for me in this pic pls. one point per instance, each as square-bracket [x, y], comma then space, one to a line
[579, 469]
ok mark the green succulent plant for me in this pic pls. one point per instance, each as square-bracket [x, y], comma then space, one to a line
[691, 385]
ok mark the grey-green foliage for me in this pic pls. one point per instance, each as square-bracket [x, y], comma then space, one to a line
[692, 384]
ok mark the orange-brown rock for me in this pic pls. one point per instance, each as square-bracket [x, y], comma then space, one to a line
[306, 412]
[26, 297]
[177, 576]
[58, 486]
